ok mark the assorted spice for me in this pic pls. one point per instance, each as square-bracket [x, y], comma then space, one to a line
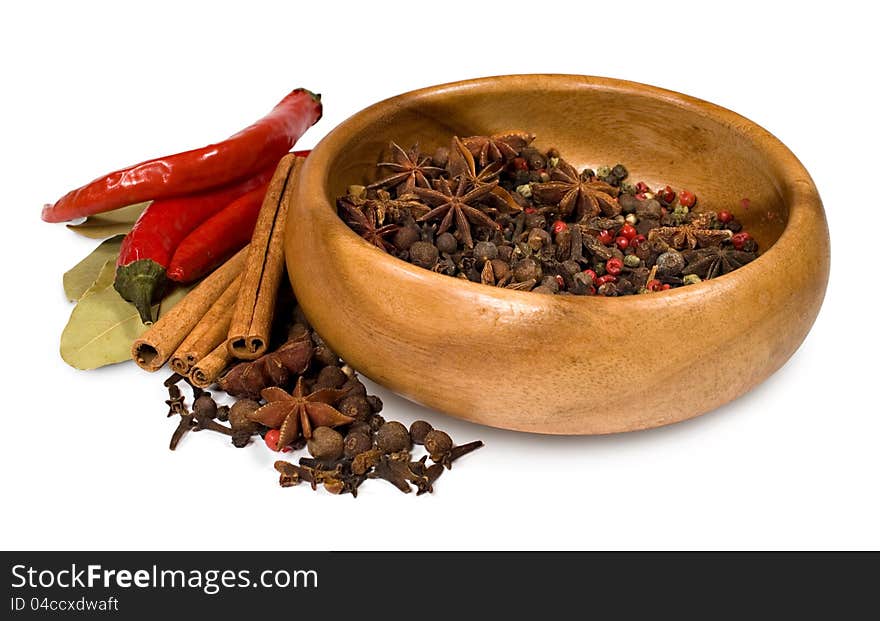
[496, 210]
[302, 395]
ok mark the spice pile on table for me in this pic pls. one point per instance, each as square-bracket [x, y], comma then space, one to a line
[207, 254]
[497, 211]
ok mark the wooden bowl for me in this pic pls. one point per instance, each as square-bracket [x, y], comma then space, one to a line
[565, 364]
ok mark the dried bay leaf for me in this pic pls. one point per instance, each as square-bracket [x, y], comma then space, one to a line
[102, 326]
[116, 222]
[78, 279]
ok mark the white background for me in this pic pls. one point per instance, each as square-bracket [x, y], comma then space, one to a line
[88, 88]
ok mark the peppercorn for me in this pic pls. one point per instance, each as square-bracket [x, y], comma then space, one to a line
[438, 444]
[538, 238]
[242, 426]
[543, 289]
[534, 158]
[423, 254]
[392, 437]
[691, 279]
[550, 283]
[418, 430]
[500, 268]
[375, 421]
[485, 251]
[535, 221]
[375, 403]
[356, 442]
[619, 172]
[360, 426]
[670, 263]
[330, 377]
[505, 253]
[355, 406]
[527, 269]
[405, 237]
[446, 243]
[631, 260]
[325, 444]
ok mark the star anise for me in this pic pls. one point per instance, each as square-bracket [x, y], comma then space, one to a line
[295, 411]
[716, 261]
[689, 236]
[498, 147]
[363, 222]
[410, 170]
[461, 163]
[457, 205]
[572, 194]
[386, 207]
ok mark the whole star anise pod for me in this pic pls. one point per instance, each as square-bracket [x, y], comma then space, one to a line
[461, 163]
[572, 194]
[458, 206]
[384, 207]
[689, 236]
[295, 411]
[712, 262]
[363, 222]
[410, 170]
[498, 147]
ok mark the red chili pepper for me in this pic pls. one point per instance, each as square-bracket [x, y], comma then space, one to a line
[218, 237]
[147, 249]
[239, 157]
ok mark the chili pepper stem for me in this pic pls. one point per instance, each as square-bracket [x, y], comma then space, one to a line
[140, 282]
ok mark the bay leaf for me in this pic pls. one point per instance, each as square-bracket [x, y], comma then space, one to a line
[81, 276]
[116, 222]
[102, 326]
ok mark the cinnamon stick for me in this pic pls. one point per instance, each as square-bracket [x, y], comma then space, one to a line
[206, 371]
[157, 344]
[209, 332]
[248, 336]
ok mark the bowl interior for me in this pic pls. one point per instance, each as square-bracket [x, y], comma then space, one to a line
[661, 137]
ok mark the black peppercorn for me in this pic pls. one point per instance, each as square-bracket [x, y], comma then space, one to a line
[375, 403]
[527, 269]
[325, 444]
[423, 254]
[619, 172]
[375, 422]
[447, 243]
[418, 430]
[670, 263]
[392, 437]
[485, 251]
[360, 426]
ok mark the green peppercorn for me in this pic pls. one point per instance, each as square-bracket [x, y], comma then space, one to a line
[691, 279]
[418, 430]
[631, 260]
[392, 437]
[325, 444]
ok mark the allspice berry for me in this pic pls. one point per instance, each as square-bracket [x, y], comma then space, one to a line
[438, 444]
[485, 251]
[330, 377]
[356, 442]
[239, 418]
[360, 426]
[392, 437]
[527, 269]
[355, 406]
[447, 243]
[670, 263]
[418, 430]
[205, 406]
[405, 237]
[423, 254]
[325, 444]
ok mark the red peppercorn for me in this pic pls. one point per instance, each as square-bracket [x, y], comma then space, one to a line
[605, 279]
[559, 226]
[739, 240]
[622, 242]
[560, 281]
[592, 290]
[641, 196]
[666, 287]
[591, 274]
[642, 187]
[687, 199]
[725, 216]
[605, 237]
[530, 210]
[667, 195]
[637, 241]
[613, 265]
[271, 438]
[654, 285]
[628, 231]
[519, 163]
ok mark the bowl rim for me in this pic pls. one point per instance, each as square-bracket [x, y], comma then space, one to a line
[798, 190]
